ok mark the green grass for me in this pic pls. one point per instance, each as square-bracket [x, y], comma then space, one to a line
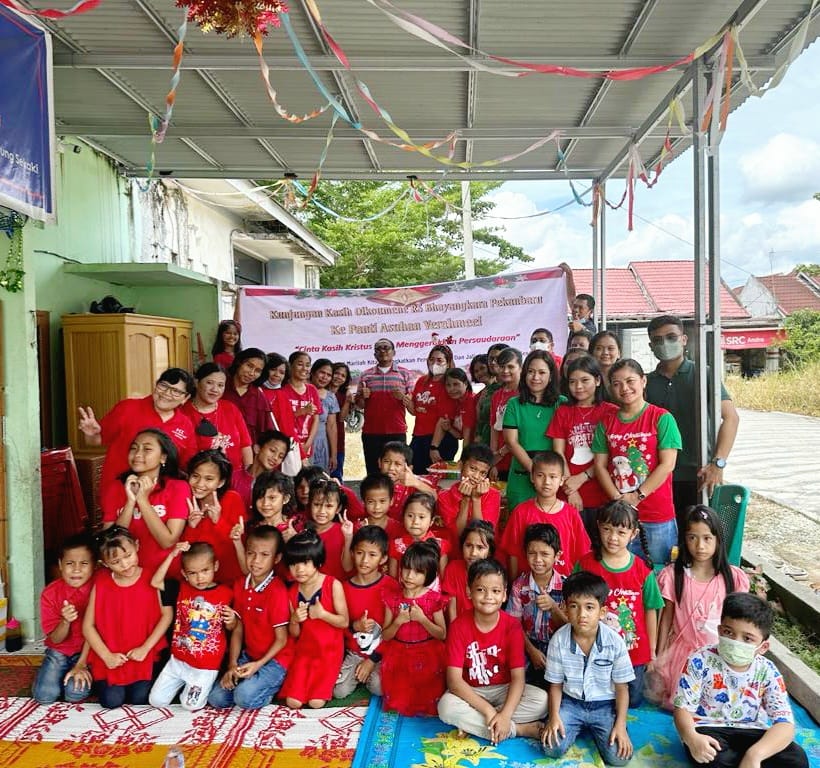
[793, 391]
[804, 644]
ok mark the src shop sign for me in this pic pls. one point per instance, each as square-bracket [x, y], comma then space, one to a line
[754, 338]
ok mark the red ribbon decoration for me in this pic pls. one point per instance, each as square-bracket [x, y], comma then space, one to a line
[52, 13]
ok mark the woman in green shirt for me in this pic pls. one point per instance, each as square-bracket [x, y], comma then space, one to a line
[526, 421]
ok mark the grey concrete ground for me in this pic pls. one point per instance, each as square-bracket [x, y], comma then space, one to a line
[778, 456]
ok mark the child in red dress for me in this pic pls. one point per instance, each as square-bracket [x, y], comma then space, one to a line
[124, 623]
[477, 542]
[413, 659]
[150, 499]
[419, 511]
[318, 618]
[364, 592]
[214, 511]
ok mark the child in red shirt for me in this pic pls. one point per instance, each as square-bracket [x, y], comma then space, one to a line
[547, 476]
[364, 594]
[203, 613]
[486, 694]
[396, 462]
[214, 511]
[124, 623]
[270, 448]
[419, 512]
[64, 670]
[477, 542]
[261, 648]
[377, 493]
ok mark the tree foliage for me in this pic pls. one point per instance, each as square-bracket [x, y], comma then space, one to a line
[415, 243]
[803, 336]
[812, 270]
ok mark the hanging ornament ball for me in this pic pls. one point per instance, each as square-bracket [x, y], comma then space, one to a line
[234, 18]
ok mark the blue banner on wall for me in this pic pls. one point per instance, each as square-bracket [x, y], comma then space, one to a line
[26, 117]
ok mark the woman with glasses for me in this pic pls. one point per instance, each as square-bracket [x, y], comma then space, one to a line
[217, 423]
[245, 376]
[160, 409]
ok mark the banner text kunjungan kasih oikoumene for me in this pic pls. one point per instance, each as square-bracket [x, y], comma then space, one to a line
[468, 315]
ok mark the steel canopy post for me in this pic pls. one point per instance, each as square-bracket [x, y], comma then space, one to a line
[714, 355]
[602, 232]
[699, 147]
[596, 268]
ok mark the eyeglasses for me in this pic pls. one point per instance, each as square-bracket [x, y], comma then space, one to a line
[673, 337]
[164, 388]
[382, 348]
[206, 429]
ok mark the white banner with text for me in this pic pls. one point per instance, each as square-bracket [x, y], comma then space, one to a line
[468, 315]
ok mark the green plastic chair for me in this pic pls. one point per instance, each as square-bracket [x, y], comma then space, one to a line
[730, 502]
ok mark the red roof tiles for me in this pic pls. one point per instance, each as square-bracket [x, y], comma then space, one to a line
[623, 293]
[791, 292]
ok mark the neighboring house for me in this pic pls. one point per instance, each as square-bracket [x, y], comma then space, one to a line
[645, 289]
[780, 295]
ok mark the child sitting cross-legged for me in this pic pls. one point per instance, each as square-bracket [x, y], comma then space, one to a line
[487, 695]
[588, 669]
[731, 707]
[199, 641]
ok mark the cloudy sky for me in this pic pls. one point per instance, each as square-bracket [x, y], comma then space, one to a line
[769, 166]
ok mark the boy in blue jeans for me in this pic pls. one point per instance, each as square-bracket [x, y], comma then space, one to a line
[64, 671]
[588, 669]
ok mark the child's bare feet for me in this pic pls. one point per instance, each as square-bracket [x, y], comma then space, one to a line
[529, 730]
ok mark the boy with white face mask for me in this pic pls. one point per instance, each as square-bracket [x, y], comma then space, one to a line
[672, 385]
[541, 338]
[731, 708]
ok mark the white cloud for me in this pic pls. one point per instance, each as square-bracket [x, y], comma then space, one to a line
[664, 238]
[784, 169]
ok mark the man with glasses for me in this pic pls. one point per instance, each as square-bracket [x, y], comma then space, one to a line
[161, 409]
[381, 393]
[673, 385]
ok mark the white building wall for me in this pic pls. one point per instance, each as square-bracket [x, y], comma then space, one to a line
[757, 299]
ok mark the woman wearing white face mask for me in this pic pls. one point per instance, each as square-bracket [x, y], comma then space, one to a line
[429, 402]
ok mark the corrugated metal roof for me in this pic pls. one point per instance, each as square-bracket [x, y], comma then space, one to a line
[113, 64]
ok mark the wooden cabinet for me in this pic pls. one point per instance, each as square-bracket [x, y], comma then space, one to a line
[111, 357]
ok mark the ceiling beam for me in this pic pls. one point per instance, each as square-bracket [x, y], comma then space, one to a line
[641, 20]
[137, 59]
[285, 133]
[340, 77]
[743, 14]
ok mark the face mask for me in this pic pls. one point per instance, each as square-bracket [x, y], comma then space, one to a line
[735, 652]
[438, 370]
[542, 345]
[268, 385]
[667, 350]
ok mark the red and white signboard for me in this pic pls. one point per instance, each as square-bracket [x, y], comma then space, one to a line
[468, 315]
[751, 338]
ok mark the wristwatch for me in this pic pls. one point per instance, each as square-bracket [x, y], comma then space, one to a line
[641, 494]
[719, 463]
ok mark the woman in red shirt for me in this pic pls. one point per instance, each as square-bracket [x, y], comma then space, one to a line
[429, 402]
[217, 423]
[509, 375]
[241, 389]
[304, 401]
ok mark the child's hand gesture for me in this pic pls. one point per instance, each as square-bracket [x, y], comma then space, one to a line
[138, 654]
[289, 532]
[87, 423]
[416, 614]
[146, 485]
[230, 678]
[363, 670]
[238, 530]
[545, 602]
[554, 731]
[347, 526]
[132, 488]
[482, 487]
[316, 610]
[69, 612]
[229, 617]
[81, 676]
[500, 727]
[466, 487]
[195, 514]
[620, 737]
[181, 546]
[212, 508]
[115, 660]
[300, 613]
[703, 748]
[403, 616]
[248, 670]
[363, 623]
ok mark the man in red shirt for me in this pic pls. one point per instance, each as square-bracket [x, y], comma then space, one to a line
[161, 410]
[382, 391]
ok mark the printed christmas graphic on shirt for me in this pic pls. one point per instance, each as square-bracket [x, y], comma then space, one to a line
[630, 460]
[580, 438]
[620, 615]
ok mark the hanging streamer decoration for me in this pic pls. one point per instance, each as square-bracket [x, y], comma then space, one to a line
[52, 13]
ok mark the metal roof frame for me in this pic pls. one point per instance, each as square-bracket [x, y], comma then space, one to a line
[111, 72]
